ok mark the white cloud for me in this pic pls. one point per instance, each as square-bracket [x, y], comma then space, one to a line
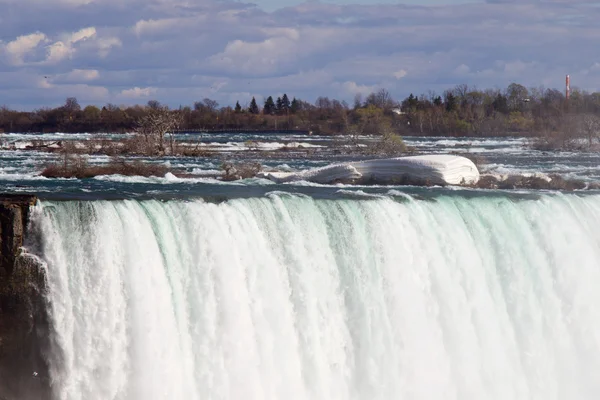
[27, 49]
[462, 69]
[44, 83]
[400, 74]
[19, 48]
[157, 26]
[263, 57]
[83, 34]
[136, 92]
[63, 49]
[354, 88]
[83, 75]
[58, 51]
[106, 44]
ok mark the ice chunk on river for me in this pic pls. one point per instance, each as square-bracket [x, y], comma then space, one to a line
[438, 169]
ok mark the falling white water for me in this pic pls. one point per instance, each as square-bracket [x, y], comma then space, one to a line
[288, 297]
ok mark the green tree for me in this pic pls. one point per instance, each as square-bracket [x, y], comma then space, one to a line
[517, 94]
[451, 102]
[238, 108]
[410, 103]
[253, 109]
[279, 106]
[295, 106]
[501, 104]
[285, 103]
[91, 115]
[269, 107]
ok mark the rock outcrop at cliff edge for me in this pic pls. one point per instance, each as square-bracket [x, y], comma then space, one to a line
[23, 312]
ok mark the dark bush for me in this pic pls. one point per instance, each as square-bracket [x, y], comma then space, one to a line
[78, 167]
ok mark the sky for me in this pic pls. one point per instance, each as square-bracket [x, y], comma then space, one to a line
[182, 51]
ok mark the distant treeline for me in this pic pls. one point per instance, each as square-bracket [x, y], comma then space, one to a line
[461, 111]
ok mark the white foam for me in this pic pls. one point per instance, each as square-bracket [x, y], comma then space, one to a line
[286, 297]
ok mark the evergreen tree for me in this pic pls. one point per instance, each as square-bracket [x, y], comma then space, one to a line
[285, 103]
[253, 109]
[295, 106]
[279, 106]
[501, 104]
[438, 101]
[451, 103]
[269, 107]
[238, 108]
[410, 103]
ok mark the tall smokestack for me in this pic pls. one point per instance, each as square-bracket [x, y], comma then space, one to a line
[568, 87]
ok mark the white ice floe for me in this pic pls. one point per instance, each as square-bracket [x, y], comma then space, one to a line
[439, 169]
[327, 174]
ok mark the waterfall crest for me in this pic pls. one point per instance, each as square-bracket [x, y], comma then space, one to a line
[287, 297]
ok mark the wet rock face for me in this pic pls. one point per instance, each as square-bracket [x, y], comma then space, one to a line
[13, 216]
[23, 311]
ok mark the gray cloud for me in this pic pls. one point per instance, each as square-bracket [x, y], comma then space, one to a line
[180, 51]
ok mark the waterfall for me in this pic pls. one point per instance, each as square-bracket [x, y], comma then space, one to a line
[288, 297]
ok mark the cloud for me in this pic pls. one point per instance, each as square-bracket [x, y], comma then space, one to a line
[354, 88]
[180, 51]
[400, 74]
[64, 48]
[19, 48]
[136, 92]
[83, 75]
[462, 69]
[152, 26]
[58, 51]
[257, 58]
[105, 45]
[41, 49]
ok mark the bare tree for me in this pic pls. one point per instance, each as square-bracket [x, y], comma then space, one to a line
[212, 105]
[461, 91]
[156, 125]
[380, 99]
[72, 105]
[590, 127]
[154, 104]
[323, 102]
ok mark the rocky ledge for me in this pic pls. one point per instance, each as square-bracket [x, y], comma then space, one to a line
[14, 213]
[23, 311]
